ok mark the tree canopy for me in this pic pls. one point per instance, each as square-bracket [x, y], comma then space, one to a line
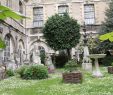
[61, 32]
[107, 27]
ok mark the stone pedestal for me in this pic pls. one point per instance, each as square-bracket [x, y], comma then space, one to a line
[87, 66]
[97, 72]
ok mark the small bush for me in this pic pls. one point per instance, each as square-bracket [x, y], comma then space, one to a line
[9, 73]
[21, 70]
[60, 60]
[42, 56]
[71, 65]
[34, 72]
[107, 61]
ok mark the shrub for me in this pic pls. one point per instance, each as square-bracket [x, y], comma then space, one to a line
[107, 61]
[42, 56]
[21, 70]
[71, 65]
[9, 73]
[61, 60]
[34, 72]
[112, 64]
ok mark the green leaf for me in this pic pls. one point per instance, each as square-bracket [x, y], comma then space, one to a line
[7, 12]
[4, 8]
[2, 16]
[2, 44]
[107, 36]
[12, 14]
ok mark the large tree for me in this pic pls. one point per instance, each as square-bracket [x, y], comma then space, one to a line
[107, 26]
[62, 32]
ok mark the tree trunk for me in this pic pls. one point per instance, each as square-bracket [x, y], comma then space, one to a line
[69, 54]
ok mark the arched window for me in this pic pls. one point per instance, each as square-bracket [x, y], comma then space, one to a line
[7, 49]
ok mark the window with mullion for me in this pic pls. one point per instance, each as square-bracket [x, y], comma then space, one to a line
[89, 14]
[63, 9]
[38, 17]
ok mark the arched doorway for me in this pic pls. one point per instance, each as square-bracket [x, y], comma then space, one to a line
[42, 49]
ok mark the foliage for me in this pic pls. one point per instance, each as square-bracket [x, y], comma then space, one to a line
[107, 61]
[21, 70]
[92, 44]
[54, 86]
[112, 64]
[2, 44]
[61, 59]
[107, 27]
[71, 65]
[34, 72]
[7, 12]
[9, 73]
[107, 36]
[42, 56]
[61, 32]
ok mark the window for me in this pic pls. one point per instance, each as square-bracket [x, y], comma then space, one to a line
[38, 16]
[63, 9]
[7, 49]
[89, 14]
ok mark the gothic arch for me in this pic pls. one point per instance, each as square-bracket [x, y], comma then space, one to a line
[12, 39]
[41, 44]
[21, 42]
[10, 46]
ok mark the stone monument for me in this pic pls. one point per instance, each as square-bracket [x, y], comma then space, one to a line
[49, 64]
[36, 55]
[86, 65]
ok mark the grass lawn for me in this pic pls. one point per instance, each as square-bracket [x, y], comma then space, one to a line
[54, 86]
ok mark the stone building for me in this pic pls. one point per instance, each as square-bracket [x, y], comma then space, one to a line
[14, 34]
[89, 11]
[22, 36]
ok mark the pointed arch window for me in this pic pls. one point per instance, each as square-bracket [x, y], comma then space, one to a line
[7, 49]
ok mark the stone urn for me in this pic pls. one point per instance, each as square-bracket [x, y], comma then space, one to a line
[72, 75]
[110, 69]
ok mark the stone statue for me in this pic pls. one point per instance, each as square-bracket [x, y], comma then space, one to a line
[36, 55]
[49, 63]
